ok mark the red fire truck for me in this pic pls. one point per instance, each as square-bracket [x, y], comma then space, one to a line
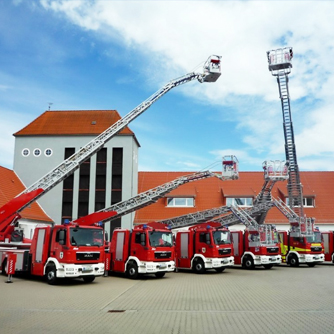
[204, 246]
[301, 249]
[256, 246]
[61, 251]
[328, 244]
[147, 249]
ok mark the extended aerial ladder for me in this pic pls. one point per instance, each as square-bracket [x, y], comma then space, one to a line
[152, 195]
[280, 66]
[9, 213]
[273, 171]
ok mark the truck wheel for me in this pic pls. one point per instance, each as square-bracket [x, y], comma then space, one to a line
[160, 274]
[267, 266]
[132, 270]
[88, 279]
[293, 260]
[219, 270]
[51, 275]
[248, 262]
[198, 266]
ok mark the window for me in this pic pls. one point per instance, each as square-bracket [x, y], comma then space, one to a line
[25, 152]
[37, 152]
[240, 201]
[307, 202]
[180, 202]
[48, 152]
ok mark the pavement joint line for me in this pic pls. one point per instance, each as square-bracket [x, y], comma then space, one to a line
[136, 283]
[171, 311]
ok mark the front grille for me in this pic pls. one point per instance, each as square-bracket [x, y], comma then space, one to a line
[87, 256]
[225, 251]
[272, 250]
[316, 249]
[162, 255]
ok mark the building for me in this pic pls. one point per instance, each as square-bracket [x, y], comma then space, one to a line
[106, 178]
[11, 186]
[211, 193]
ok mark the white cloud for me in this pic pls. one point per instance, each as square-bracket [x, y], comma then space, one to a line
[173, 36]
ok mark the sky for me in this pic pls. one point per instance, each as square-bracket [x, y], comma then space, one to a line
[92, 54]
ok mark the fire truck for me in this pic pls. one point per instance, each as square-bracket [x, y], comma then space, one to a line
[328, 243]
[127, 253]
[9, 213]
[59, 251]
[146, 249]
[302, 243]
[204, 246]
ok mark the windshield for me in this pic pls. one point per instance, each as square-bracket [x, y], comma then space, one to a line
[222, 237]
[86, 237]
[161, 239]
[316, 237]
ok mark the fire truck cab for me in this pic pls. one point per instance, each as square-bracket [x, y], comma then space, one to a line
[256, 247]
[147, 249]
[62, 251]
[300, 249]
[204, 246]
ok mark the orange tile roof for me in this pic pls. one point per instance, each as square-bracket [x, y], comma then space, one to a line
[10, 186]
[211, 192]
[72, 122]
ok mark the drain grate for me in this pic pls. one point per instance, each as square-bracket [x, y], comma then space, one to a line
[116, 311]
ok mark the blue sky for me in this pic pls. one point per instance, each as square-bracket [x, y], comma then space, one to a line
[114, 54]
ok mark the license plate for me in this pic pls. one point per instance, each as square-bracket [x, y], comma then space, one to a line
[162, 266]
[87, 269]
[316, 258]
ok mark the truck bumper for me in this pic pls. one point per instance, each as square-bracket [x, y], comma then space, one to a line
[211, 263]
[311, 258]
[75, 270]
[261, 260]
[155, 267]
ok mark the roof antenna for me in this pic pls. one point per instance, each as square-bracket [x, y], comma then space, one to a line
[50, 104]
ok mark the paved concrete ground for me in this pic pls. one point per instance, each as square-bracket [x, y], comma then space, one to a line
[280, 300]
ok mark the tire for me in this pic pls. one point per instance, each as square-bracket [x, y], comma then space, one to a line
[51, 275]
[293, 260]
[267, 266]
[160, 274]
[88, 279]
[198, 266]
[311, 265]
[219, 270]
[248, 263]
[132, 270]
